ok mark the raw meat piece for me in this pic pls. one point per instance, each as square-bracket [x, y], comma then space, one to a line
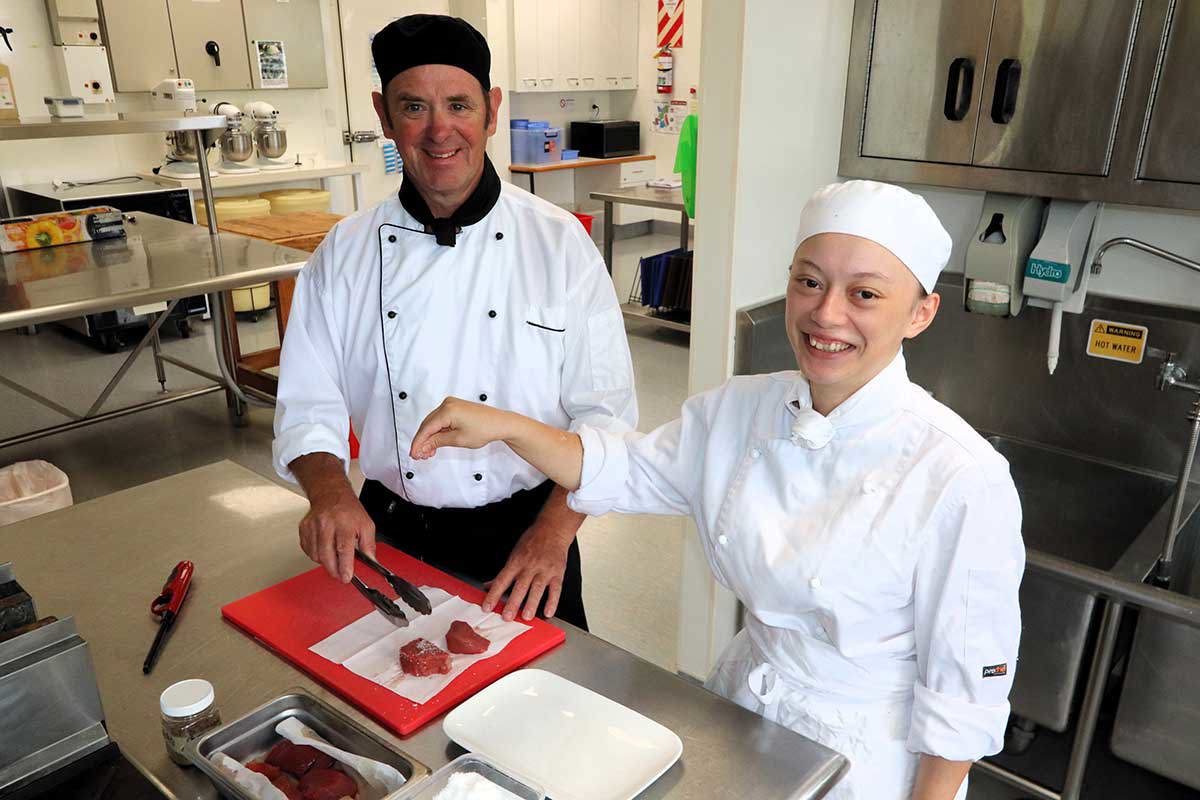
[270, 770]
[297, 758]
[421, 657]
[287, 785]
[462, 638]
[327, 784]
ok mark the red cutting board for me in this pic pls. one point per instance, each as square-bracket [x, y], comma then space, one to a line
[295, 614]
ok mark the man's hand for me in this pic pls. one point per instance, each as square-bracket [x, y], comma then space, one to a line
[537, 563]
[535, 567]
[336, 522]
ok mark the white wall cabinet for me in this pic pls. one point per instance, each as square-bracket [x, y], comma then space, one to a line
[568, 45]
[214, 42]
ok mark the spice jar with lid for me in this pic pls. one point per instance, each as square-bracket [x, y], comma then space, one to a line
[189, 708]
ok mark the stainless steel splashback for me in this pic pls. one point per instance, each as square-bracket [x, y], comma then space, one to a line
[49, 704]
[992, 371]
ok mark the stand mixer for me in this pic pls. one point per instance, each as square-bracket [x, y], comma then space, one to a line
[179, 94]
[270, 140]
[236, 143]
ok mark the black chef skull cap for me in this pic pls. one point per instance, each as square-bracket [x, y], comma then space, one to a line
[420, 39]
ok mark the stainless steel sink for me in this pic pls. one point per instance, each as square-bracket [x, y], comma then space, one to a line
[1087, 511]
[1159, 713]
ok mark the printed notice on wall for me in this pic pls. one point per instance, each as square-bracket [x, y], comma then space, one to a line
[272, 64]
[669, 116]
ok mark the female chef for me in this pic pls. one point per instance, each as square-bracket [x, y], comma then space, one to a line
[873, 536]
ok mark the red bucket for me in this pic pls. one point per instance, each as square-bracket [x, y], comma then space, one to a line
[586, 220]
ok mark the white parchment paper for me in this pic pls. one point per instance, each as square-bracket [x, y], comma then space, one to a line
[370, 646]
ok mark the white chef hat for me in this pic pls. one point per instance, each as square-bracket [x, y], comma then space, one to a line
[888, 215]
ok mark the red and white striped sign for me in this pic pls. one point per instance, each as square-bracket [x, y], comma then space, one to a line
[670, 23]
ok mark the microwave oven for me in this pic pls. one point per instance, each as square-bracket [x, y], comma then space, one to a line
[606, 138]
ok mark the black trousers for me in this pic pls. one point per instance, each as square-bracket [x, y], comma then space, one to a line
[471, 543]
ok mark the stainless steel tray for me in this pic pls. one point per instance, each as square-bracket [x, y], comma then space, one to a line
[254, 734]
[471, 763]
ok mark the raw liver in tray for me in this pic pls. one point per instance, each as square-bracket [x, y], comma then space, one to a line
[295, 614]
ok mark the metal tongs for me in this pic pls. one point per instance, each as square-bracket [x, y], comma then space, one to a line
[409, 593]
[381, 602]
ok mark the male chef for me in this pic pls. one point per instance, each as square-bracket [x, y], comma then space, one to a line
[461, 285]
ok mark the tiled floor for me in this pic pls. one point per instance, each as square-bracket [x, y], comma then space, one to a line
[631, 564]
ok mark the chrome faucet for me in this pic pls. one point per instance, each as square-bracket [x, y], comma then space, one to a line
[1172, 375]
[1145, 247]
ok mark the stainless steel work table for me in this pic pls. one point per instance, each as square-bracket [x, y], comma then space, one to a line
[103, 561]
[159, 260]
[669, 199]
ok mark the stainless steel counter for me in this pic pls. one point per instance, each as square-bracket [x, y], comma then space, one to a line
[104, 560]
[160, 259]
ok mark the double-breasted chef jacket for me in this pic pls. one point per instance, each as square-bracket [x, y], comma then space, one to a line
[386, 323]
[877, 551]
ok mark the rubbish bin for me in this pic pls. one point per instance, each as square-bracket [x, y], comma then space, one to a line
[29, 488]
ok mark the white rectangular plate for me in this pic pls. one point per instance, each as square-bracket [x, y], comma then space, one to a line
[577, 744]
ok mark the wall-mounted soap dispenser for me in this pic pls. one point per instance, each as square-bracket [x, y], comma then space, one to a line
[1056, 276]
[995, 261]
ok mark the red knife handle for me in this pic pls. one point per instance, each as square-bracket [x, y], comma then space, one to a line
[174, 591]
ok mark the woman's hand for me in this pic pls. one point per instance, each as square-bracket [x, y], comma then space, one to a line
[459, 423]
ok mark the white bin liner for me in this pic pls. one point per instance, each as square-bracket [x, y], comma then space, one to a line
[29, 488]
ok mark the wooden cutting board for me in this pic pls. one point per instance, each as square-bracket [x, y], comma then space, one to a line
[293, 615]
[275, 227]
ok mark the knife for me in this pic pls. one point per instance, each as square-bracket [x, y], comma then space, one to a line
[410, 594]
[381, 602]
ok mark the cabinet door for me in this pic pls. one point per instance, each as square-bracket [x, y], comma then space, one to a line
[525, 45]
[627, 43]
[547, 45]
[297, 24]
[590, 14]
[608, 37]
[1172, 143]
[925, 79]
[1052, 90]
[196, 27]
[138, 35]
[568, 45]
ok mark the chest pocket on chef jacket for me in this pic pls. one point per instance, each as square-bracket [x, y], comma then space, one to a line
[541, 340]
[992, 636]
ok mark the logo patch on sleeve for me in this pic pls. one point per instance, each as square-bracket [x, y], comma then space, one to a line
[995, 670]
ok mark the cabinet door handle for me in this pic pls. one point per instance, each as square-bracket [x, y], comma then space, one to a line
[214, 50]
[1008, 82]
[959, 84]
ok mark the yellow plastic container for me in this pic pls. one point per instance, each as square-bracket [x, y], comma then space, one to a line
[233, 208]
[289, 201]
[252, 298]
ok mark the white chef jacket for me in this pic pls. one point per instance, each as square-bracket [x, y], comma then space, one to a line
[877, 551]
[385, 324]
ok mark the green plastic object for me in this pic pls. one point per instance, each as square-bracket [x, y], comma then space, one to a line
[685, 162]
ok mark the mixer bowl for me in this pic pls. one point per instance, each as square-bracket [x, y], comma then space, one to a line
[181, 145]
[271, 142]
[236, 145]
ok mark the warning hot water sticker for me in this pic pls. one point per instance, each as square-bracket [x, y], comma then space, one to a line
[1117, 341]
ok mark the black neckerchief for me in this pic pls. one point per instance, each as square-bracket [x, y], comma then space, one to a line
[473, 209]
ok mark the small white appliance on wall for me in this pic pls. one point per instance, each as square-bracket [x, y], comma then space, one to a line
[75, 31]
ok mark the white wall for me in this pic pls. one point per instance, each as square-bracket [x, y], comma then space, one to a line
[773, 75]
[313, 117]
